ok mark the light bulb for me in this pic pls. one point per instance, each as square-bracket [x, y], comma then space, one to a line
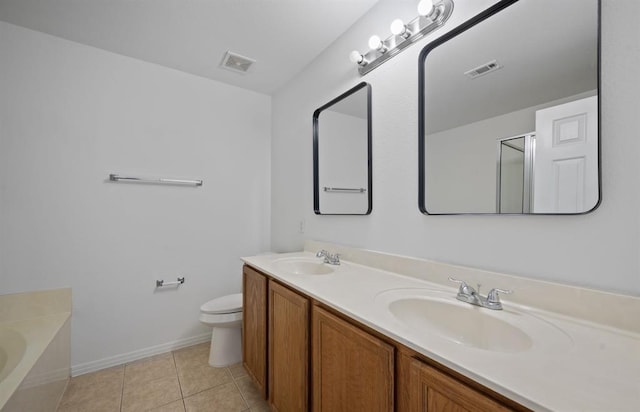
[398, 28]
[425, 7]
[375, 43]
[356, 57]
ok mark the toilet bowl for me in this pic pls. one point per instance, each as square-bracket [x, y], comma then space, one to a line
[224, 314]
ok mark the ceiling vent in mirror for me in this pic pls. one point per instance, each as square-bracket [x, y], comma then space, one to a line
[237, 63]
[486, 68]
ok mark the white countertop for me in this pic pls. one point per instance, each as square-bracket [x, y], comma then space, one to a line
[598, 369]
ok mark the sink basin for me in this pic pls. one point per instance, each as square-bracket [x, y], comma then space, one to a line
[509, 331]
[467, 326]
[303, 266]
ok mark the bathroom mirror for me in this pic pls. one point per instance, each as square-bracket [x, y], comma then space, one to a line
[342, 154]
[522, 77]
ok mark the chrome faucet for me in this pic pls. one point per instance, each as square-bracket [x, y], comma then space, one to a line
[332, 259]
[468, 294]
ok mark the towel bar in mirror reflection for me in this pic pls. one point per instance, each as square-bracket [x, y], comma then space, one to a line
[345, 189]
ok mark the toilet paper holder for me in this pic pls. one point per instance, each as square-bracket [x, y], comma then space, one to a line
[161, 283]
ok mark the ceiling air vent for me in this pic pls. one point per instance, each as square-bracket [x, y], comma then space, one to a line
[237, 63]
[483, 69]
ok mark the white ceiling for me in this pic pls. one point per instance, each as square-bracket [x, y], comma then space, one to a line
[548, 49]
[283, 36]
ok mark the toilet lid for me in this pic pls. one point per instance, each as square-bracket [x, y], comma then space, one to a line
[224, 304]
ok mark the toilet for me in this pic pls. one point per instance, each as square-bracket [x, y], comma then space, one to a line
[224, 314]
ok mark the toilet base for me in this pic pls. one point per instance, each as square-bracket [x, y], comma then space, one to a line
[226, 347]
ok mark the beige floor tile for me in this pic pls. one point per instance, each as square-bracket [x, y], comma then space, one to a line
[145, 370]
[176, 406]
[262, 407]
[100, 387]
[224, 398]
[152, 384]
[101, 376]
[109, 403]
[196, 355]
[199, 378]
[237, 370]
[150, 394]
[249, 391]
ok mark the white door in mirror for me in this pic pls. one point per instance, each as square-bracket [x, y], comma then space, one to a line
[566, 158]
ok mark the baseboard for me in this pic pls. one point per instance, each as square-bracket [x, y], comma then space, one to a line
[99, 364]
[34, 380]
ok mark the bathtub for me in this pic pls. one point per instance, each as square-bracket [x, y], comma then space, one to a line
[34, 350]
[12, 348]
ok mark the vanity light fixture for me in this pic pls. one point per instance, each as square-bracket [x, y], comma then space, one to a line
[398, 28]
[357, 58]
[425, 7]
[376, 44]
[430, 17]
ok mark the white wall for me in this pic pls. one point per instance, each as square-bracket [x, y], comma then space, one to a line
[600, 249]
[69, 116]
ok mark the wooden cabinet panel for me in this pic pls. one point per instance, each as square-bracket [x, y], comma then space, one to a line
[433, 391]
[254, 324]
[288, 349]
[352, 370]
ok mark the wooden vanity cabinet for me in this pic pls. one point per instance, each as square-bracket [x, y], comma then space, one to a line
[352, 369]
[306, 357]
[254, 326]
[288, 349]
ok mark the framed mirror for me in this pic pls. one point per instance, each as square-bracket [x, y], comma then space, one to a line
[342, 154]
[522, 77]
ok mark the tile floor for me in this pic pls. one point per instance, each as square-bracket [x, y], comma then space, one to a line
[179, 381]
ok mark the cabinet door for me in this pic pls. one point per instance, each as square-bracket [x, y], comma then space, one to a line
[254, 324]
[434, 391]
[352, 370]
[288, 349]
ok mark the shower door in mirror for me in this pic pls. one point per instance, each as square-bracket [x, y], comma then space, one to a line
[522, 76]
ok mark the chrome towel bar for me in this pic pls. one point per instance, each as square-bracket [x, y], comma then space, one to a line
[345, 189]
[161, 283]
[118, 178]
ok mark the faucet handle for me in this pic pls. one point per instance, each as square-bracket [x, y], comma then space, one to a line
[321, 253]
[454, 280]
[493, 296]
[464, 288]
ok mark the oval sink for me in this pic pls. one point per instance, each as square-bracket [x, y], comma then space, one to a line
[438, 313]
[466, 326]
[303, 266]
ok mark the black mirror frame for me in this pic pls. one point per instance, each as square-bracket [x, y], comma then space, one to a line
[422, 206]
[316, 131]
